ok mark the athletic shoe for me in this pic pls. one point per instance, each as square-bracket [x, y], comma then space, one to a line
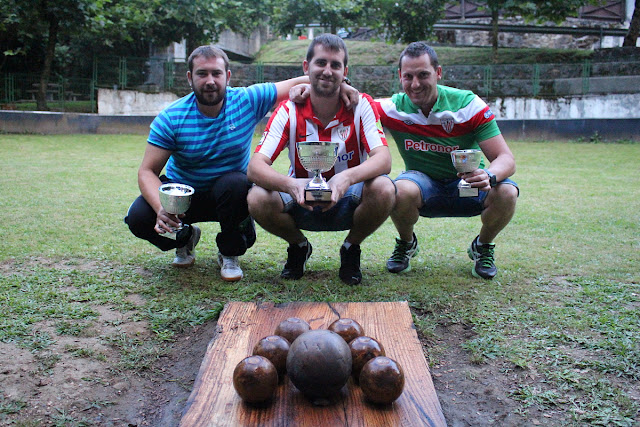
[484, 266]
[296, 261]
[248, 230]
[402, 254]
[186, 255]
[350, 265]
[230, 271]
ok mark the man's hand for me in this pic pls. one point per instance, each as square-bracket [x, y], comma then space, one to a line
[300, 93]
[477, 179]
[349, 95]
[166, 222]
[296, 191]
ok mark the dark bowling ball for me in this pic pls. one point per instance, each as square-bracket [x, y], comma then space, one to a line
[348, 329]
[291, 328]
[275, 348]
[255, 379]
[319, 365]
[382, 380]
[363, 349]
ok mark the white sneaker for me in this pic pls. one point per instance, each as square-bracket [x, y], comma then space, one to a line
[229, 268]
[186, 255]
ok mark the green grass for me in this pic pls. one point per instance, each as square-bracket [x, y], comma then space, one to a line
[381, 53]
[565, 304]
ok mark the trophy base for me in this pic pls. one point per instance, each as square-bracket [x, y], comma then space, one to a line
[318, 196]
[177, 233]
[467, 192]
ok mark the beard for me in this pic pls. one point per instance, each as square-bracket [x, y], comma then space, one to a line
[210, 98]
[323, 90]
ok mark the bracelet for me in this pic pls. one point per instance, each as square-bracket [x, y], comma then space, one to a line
[347, 81]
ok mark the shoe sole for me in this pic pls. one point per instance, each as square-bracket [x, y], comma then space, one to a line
[228, 278]
[183, 265]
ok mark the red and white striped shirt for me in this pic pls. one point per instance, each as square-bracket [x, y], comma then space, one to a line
[343, 129]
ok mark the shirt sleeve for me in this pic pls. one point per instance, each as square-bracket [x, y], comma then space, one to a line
[276, 133]
[371, 133]
[262, 96]
[161, 133]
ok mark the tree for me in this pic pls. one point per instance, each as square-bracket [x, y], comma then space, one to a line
[634, 27]
[405, 20]
[332, 14]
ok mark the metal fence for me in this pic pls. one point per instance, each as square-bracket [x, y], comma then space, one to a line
[18, 90]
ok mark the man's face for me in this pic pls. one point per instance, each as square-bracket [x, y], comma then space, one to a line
[209, 80]
[419, 80]
[326, 71]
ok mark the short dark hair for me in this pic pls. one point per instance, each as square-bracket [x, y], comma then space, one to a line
[328, 41]
[416, 50]
[209, 52]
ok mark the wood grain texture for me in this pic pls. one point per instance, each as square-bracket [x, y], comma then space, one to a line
[214, 402]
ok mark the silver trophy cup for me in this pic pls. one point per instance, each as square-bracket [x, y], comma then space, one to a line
[175, 199]
[466, 161]
[317, 157]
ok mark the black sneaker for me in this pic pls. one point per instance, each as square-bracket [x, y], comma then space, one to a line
[248, 230]
[402, 254]
[296, 261]
[484, 266]
[350, 265]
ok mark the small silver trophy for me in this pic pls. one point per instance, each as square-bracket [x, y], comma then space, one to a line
[176, 199]
[466, 161]
[317, 156]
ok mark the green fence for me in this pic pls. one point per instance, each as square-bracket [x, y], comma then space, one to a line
[19, 90]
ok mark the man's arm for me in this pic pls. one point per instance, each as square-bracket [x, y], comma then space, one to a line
[378, 163]
[153, 161]
[502, 163]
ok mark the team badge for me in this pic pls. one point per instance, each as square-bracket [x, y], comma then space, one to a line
[447, 124]
[343, 132]
[488, 114]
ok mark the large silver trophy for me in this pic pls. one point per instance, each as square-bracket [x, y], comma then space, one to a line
[176, 199]
[466, 161]
[317, 157]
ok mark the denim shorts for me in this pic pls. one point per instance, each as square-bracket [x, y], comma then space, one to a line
[338, 218]
[440, 197]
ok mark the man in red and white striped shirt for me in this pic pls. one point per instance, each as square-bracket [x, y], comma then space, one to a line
[362, 196]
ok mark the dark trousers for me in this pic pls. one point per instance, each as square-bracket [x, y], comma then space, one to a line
[224, 202]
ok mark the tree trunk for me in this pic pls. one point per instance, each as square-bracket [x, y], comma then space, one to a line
[634, 27]
[41, 99]
[495, 14]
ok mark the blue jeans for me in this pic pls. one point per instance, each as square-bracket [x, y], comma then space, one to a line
[338, 218]
[440, 197]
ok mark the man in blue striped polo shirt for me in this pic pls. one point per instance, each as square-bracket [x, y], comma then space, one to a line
[204, 140]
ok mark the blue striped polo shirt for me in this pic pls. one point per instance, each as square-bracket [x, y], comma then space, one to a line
[204, 148]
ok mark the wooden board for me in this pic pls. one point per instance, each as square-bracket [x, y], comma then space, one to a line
[214, 402]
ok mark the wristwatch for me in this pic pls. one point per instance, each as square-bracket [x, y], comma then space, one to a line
[492, 178]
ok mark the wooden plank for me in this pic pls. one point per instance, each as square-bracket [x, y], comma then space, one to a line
[214, 402]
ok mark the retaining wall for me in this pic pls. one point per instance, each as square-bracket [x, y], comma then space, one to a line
[514, 129]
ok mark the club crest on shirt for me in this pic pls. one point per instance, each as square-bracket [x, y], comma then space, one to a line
[447, 124]
[343, 132]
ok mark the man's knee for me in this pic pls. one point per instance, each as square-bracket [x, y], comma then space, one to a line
[262, 202]
[380, 191]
